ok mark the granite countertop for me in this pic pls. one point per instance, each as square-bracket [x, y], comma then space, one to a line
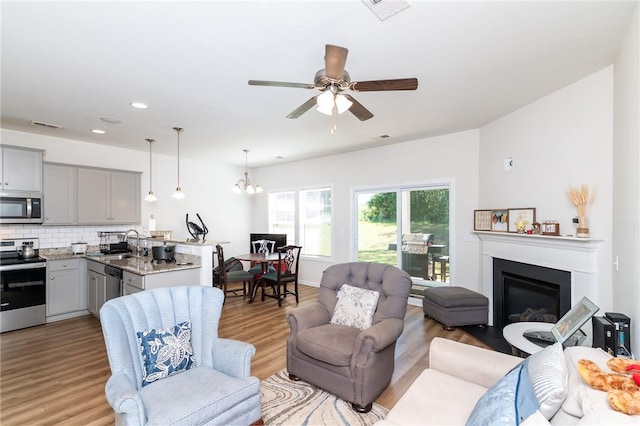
[186, 242]
[142, 265]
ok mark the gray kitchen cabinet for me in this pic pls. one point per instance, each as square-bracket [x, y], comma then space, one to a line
[96, 287]
[21, 169]
[60, 183]
[66, 289]
[108, 196]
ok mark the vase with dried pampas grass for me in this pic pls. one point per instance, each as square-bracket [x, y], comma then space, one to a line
[581, 197]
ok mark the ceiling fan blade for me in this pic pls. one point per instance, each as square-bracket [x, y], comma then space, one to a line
[281, 84]
[303, 108]
[335, 58]
[358, 109]
[381, 85]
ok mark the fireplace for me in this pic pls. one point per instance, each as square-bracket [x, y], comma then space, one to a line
[525, 292]
[578, 256]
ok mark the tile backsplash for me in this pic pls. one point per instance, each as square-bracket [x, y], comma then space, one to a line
[60, 236]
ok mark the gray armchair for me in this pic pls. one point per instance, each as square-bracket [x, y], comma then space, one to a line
[217, 389]
[355, 365]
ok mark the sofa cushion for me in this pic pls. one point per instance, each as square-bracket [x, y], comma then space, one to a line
[330, 343]
[165, 351]
[210, 394]
[436, 398]
[355, 307]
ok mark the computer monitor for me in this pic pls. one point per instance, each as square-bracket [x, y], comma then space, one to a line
[280, 239]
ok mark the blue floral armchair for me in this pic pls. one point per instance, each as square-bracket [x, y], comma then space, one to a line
[216, 387]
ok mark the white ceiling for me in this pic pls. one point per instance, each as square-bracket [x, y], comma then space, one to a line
[72, 63]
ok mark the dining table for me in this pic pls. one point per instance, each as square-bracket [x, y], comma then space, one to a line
[264, 259]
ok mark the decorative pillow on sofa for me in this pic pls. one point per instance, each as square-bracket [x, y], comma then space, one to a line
[539, 383]
[356, 307]
[165, 351]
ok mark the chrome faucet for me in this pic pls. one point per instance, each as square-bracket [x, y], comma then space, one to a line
[138, 250]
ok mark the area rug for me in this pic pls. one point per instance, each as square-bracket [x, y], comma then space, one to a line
[285, 402]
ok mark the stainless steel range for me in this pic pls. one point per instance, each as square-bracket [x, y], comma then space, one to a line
[22, 284]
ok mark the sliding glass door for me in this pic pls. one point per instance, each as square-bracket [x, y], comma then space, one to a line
[406, 227]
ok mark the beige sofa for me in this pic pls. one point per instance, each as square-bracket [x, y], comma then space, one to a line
[459, 375]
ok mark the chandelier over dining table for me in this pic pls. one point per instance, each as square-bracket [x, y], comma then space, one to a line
[245, 184]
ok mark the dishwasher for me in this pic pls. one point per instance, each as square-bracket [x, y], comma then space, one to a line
[114, 282]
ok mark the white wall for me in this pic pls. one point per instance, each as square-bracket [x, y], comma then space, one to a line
[562, 139]
[451, 157]
[626, 180]
[205, 183]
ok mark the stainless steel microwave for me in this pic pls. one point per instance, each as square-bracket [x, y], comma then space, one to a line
[20, 207]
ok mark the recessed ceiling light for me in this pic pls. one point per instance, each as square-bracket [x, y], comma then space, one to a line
[139, 105]
[98, 131]
[110, 120]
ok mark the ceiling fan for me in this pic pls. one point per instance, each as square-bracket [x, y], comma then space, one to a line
[334, 79]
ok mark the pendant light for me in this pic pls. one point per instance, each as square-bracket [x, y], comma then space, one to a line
[151, 197]
[245, 184]
[178, 195]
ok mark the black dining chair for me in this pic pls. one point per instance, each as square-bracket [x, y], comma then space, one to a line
[261, 246]
[229, 277]
[285, 276]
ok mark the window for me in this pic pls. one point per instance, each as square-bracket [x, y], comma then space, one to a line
[282, 214]
[406, 227]
[311, 227]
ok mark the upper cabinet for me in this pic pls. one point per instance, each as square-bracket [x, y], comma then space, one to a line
[108, 196]
[60, 183]
[90, 196]
[21, 169]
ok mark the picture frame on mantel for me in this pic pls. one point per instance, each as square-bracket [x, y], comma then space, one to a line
[500, 220]
[482, 220]
[526, 215]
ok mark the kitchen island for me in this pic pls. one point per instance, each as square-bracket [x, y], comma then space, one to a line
[142, 265]
[81, 284]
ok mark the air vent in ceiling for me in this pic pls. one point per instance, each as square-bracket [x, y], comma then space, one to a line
[384, 9]
[43, 124]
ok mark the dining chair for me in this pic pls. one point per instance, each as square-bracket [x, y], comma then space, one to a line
[286, 274]
[261, 246]
[229, 277]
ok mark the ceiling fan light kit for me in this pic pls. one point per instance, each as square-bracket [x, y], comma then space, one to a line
[328, 100]
[245, 184]
[334, 79]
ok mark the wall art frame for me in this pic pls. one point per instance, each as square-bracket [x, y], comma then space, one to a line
[482, 220]
[526, 215]
[500, 220]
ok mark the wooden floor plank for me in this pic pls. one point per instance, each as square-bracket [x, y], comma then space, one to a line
[55, 374]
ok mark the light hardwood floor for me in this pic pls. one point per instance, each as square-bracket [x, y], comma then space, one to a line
[55, 374]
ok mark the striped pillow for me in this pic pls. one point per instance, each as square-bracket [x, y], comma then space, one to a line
[547, 371]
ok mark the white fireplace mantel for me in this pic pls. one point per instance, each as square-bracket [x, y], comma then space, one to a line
[576, 255]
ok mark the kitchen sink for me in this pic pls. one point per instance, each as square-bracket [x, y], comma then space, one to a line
[119, 256]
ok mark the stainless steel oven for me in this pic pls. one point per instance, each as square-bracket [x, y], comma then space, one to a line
[21, 207]
[23, 290]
